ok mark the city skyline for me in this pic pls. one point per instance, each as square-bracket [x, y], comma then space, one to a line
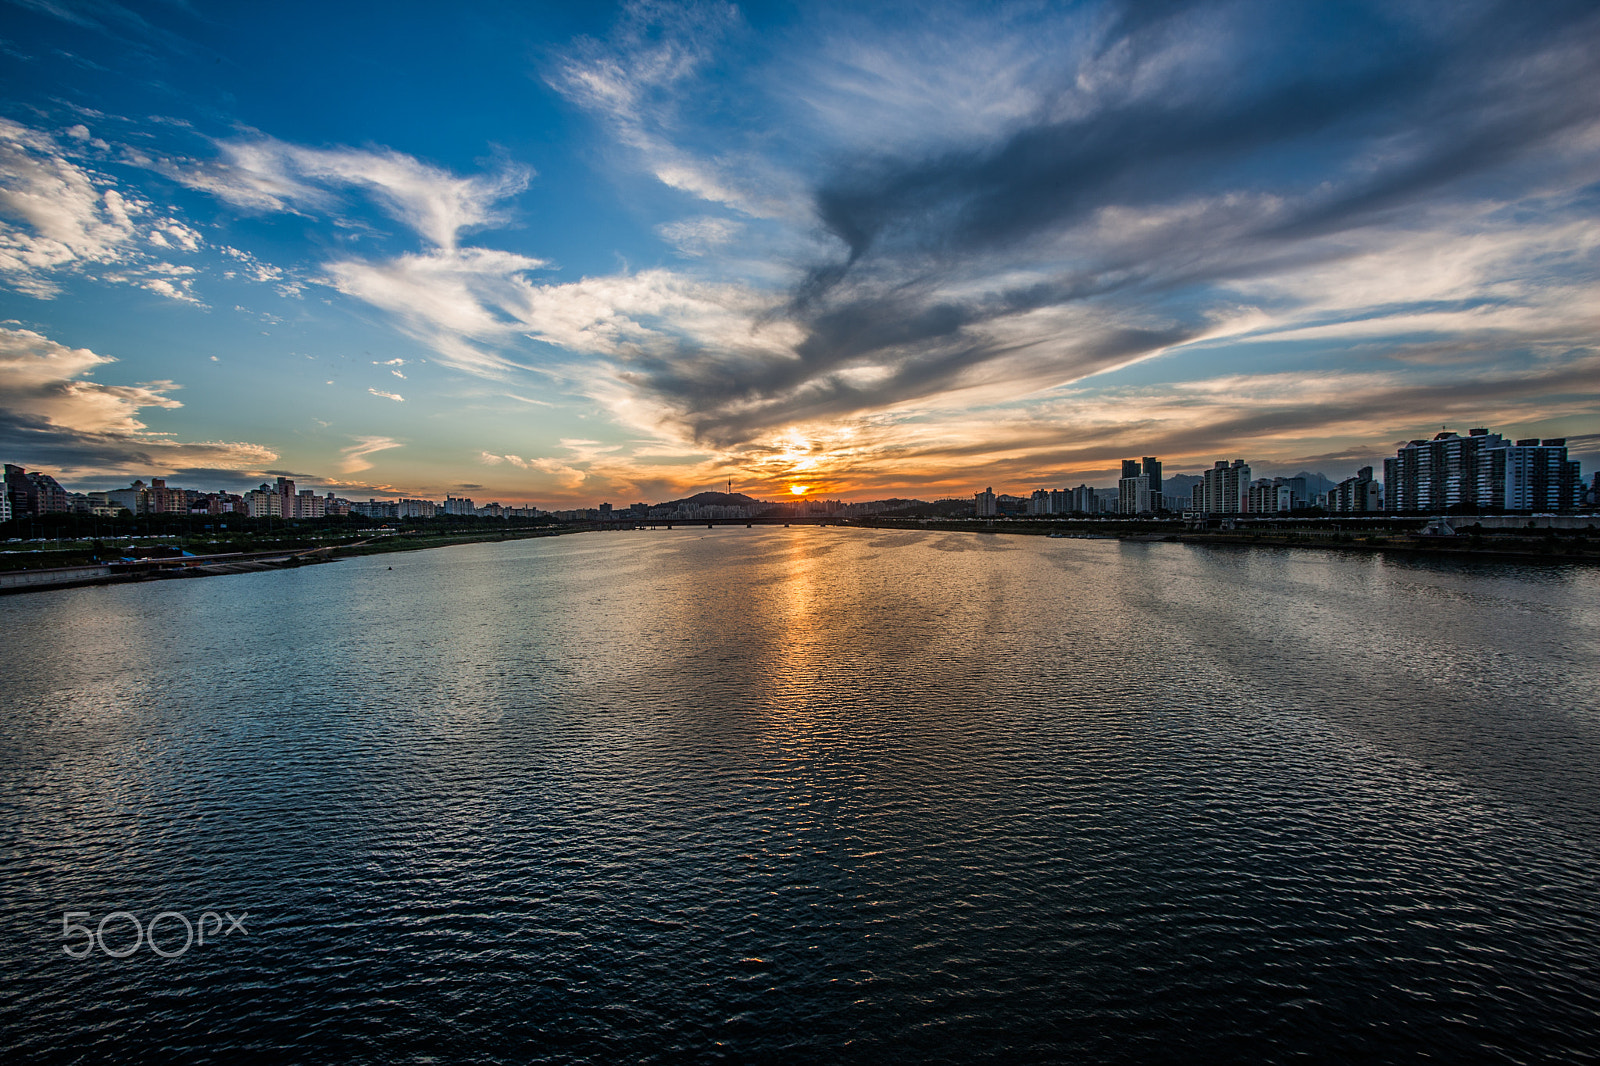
[557, 257]
[1447, 472]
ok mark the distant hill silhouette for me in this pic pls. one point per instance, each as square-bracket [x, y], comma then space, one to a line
[1316, 483]
[1180, 485]
[712, 499]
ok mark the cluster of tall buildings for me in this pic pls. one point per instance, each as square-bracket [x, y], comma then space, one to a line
[452, 505]
[1138, 492]
[1480, 471]
[1139, 489]
[282, 501]
[1228, 488]
[1081, 500]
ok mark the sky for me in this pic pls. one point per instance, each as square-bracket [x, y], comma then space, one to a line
[564, 254]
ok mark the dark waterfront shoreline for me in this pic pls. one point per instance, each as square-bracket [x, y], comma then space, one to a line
[1573, 547]
[1567, 546]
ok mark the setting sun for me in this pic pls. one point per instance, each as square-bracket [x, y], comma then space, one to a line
[798, 490]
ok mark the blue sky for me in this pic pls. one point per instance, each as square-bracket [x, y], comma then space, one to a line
[533, 253]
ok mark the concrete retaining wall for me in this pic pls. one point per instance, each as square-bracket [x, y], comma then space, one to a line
[65, 575]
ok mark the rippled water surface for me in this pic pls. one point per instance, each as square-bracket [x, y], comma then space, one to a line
[811, 794]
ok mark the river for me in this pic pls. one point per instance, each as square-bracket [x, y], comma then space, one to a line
[811, 794]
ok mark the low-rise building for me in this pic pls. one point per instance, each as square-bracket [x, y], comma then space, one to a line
[1278, 495]
[264, 502]
[135, 499]
[1356, 495]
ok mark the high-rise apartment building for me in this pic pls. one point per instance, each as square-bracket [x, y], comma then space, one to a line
[164, 500]
[307, 504]
[21, 492]
[1133, 495]
[1438, 474]
[1225, 488]
[285, 491]
[1481, 470]
[1535, 475]
[1139, 488]
[983, 502]
[1151, 471]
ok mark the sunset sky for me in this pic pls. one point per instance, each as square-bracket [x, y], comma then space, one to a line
[569, 253]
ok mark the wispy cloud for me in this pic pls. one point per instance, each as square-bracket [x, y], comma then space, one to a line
[456, 300]
[355, 457]
[396, 397]
[262, 173]
[636, 81]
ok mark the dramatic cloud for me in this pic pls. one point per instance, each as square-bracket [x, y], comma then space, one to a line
[52, 416]
[878, 248]
[1092, 189]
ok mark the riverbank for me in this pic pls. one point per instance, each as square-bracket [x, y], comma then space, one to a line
[1561, 545]
[23, 578]
[1554, 550]
[1540, 546]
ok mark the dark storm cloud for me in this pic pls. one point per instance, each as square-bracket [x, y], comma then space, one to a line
[38, 442]
[1504, 79]
[1032, 452]
[52, 415]
[1276, 127]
